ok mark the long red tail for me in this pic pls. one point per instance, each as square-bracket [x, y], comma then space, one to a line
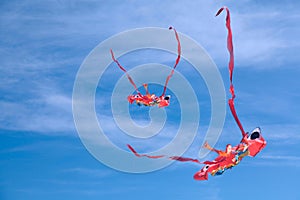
[176, 62]
[231, 67]
[178, 158]
[124, 70]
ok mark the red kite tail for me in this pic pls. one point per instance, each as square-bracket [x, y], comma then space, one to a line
[124, 70]
[176, 62]
[231, 67]
[177, 158]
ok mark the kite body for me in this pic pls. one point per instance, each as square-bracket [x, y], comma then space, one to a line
[149, 99]
[250, 145]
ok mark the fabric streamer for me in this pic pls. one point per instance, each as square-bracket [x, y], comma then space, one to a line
[124, 70]
[178, 158]
[176, 62]
[231, 67]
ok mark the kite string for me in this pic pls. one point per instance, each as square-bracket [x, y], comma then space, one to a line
[176, 62]
[124, 70]
[231, 67]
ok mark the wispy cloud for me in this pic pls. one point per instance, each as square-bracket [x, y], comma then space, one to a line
[282, 133]
[277, 160]
[281, 157]
[24, 148]
[56, 36]
[49, 113]
[95, 173]
[121, 138]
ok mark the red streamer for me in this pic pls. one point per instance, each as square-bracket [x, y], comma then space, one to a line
[231, 67]
[176, 62]
[178, 158]
[124, 70]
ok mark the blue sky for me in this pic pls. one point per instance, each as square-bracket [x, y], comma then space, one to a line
[43, 44]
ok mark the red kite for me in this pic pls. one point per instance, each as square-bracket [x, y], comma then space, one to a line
[151, 99]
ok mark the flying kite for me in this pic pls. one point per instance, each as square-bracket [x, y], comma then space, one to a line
[250, 145]
[150, 99]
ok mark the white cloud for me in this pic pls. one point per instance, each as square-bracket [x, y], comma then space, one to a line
[49, 114]
[281, 157]
[95, 173]
[282, 133]
[277, 160]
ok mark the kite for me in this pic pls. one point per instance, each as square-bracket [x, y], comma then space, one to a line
[250, 145]
[151, 99]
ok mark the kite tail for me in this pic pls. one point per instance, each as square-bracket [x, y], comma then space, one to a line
[176, 62]
[177, 158]
[231, 67]
[124, 70]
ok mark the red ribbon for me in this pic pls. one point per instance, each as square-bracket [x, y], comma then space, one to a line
[178, 158]
[124, 70]
[176, 62]
[231, 67]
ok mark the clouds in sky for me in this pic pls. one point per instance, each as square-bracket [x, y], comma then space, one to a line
[44, 43]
